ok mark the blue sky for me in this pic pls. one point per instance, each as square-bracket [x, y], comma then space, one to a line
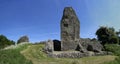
[40, 19]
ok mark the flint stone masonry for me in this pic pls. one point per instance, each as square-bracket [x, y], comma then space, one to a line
[68, 54]
[70, 29]
[49, 47]
[91, 45]
[71, 45]
[75, 54]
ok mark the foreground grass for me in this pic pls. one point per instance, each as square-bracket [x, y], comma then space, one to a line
[115, 49]
[36, 55]
[13, 56]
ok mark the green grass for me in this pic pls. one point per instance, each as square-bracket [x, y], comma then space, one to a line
[37, 56]
[115, 48]
[33, 54]
[13, 56]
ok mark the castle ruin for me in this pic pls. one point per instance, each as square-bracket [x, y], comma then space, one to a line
[71, 45]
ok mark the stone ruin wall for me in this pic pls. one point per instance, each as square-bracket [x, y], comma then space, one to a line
[70, 29]
[71, 45]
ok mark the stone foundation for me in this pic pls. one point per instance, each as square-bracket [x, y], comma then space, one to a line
[75, 54]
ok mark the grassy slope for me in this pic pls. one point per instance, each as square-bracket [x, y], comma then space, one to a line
[13, 56]
[35, 54]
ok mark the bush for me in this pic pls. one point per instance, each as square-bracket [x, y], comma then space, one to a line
[23, 39]
[115, 48]
[4, 41]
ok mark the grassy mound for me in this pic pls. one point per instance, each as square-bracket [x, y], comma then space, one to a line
[37, 56]
[13, 56]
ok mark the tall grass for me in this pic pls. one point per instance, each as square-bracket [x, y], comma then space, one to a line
[116, 50]
[13, 56]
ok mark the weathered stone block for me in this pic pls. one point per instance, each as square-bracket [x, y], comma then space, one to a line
[49, 46]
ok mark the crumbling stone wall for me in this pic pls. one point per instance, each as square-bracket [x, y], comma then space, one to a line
[71, 45]
[49, 48]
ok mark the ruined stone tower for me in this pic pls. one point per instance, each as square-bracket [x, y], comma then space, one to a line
[70, 29]
[70, 40]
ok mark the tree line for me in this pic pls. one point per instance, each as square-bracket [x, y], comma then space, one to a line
[4, 41]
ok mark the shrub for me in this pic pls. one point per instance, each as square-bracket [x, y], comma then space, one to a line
[23, 39]
[4, 41]
[115, 48]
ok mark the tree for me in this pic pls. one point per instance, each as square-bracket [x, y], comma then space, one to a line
[4, 41]
[118, 34]
[107, 35]
[23, 39]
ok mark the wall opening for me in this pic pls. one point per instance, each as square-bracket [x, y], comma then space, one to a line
[65, 25]
[57, 45]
